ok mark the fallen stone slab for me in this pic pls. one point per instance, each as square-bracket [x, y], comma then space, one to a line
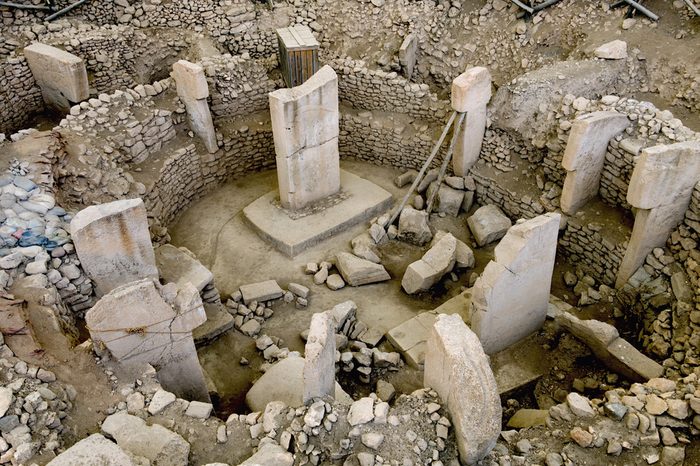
[422, 274]
[464, 257]
[449, 200]
[262, 291]
[358, 272]
[410, 337]
[156, 443]
[284, 382]
[414, 227]
[218, 322]
[488, 224]
[93, 450]
[179, 267]
[319, 357]
[605, 342]
[457, 368]
[614, 50]
[270, 454]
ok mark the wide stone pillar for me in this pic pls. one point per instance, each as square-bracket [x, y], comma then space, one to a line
[660, 188]
[113, 243]
[471, 91]
[193, 90]
[137, 325]
[511, 297]
[584, 156]
[458, 370]
[61, 76]
[305, 126]
[319, 357]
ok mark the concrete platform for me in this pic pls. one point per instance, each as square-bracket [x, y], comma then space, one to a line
[293, 232]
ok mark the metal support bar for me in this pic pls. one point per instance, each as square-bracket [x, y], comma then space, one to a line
[692, 6]
[445, 163]
[534, 9]
[635, 5]
[422, 171]
[544, 5]
[523, 6]
[24, 7]
[65, 10]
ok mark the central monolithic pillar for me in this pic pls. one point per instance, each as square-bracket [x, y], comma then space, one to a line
[305, 126]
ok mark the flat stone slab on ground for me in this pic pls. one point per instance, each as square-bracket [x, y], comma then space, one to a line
[410, 337]
[178, 267]
[357, 271]
[292, 236]
[218, 322]
[262, 291]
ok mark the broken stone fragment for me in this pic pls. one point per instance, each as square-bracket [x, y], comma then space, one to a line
[357, 272]
[262, 291]
[425, 272]
[414, 227]
[488, 224]
[614, 50]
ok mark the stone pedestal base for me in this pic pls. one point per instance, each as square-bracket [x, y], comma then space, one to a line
[292, 232]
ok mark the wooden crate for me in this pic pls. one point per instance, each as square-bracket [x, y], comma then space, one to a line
[298, 54]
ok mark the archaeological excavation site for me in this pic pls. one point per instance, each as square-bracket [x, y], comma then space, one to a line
[349, 232]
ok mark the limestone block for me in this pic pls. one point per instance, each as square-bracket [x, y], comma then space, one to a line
[414, 227]
[510, 299]
[614, 50]
[136, 325]
[268, 454]
[458, 370]
[358, 272]
[464, 257]
[284, 382]
[61, 76]
[305, 127]
[471, 91]
[665, 175]
[319, 357]
[584, 156]
[488, 224]
[193, 90]
[262, 291]
[422, 274]
[113, 243]
[179, 267]
[155, 442]
[408, 53]
[410, 338]
[95, 449]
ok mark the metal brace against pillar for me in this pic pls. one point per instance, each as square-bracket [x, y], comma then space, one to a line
[536, 8]
[637, 6]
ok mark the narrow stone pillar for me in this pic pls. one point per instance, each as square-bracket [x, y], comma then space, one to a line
[61, 76]
[585, 155]
[408, 53]
[319, 357]
[511, 297]
[661, 186]
[471, 91]
[113, 243]
[137, 325]
[305, 126]
[193, 90]
[458, 370]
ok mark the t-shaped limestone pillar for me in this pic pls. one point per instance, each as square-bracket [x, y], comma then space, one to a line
[661, 186]
[61, 76]
[305, 126]
[471, 91]
[193, 90]
[585, 155]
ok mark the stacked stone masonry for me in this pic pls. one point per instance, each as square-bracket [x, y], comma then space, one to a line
[20, 97]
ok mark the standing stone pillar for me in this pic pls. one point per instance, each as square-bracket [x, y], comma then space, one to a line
[305, 126]
[661, 186]
[408, 53]
[471, 91]
[458, 370]
[193, 90]
[319, 357]
[61, 76]
[113, 243]
[511, 297]
[137, 325]
[585, 155]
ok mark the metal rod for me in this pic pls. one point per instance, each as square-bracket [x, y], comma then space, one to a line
[544, 5]
[523, 6]
[420, 174]
[653, 16]
[692, 6]
[65, 10]
[445, 163]
[24, 7]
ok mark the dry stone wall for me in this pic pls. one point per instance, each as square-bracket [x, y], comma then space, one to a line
[20, 97]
